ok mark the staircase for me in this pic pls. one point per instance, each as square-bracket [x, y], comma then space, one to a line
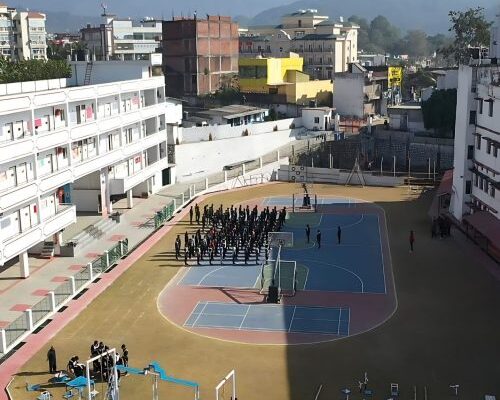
[93, 232]
[47, 250]
[88, 73]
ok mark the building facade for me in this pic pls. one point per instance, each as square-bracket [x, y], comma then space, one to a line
[22, 34]
[284, 78]
[65, 148]
[476, 174]
[200, 56]
[122, 39]
[326, 46]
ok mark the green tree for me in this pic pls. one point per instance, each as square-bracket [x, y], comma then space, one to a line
[363, 32]
[33, 70]
[470, 29]
[439, 112]
[416, 43]
[383, 34]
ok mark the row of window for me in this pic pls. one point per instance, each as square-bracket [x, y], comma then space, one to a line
[491, 147]
[490, 107]
[484, 185]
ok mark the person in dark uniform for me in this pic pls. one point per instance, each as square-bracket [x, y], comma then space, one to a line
[197, 213]
[177, 247]
[124, 355]
[318, 239]
[308, 232]
[235, 255]
[94, 349]
[51, 357]
[191, 215]
[339, 234]
[185, 257]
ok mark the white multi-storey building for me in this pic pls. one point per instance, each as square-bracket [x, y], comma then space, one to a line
[68, 147]
[122, 39]
[475, 194]
[22, 34]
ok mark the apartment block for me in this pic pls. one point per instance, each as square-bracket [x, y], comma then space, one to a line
[122, 39]
[327, 46]
[200, 56]
[22, 34]
[67, 147]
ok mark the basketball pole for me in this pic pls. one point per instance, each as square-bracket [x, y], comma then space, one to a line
[293, 202]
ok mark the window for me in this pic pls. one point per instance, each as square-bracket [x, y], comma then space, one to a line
[490, 108]
[478, 142]
[480, 106]
[488, 146]
[316, 120]
[492, 191]
[472, 117]
[300, 23]
[470, 152]
[468, 187]
[476, 180]
[495, 151]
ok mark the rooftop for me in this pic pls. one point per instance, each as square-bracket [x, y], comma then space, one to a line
[324, 36]
[233, 111]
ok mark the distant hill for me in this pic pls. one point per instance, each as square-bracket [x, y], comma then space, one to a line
[428, 15]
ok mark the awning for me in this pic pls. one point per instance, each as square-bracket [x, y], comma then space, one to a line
[444, 188]
[446, 183]
[486, 224]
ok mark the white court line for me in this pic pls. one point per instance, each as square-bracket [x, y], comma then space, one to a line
[244, 317]
[340, 318]
[307, 276]
[211, 272]
[199, 315]
[342, 268]
[192, 312]
[293, 316]
[381, 252]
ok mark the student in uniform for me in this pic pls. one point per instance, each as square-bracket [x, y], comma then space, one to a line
[308, 232]
[318, 239]
[339, 234]
[51, 358]
[124, 355]
[191, 216]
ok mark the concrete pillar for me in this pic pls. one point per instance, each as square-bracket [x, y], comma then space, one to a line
[58, 238]
[29, 319]
[53, 306]
[89, 266]
[243, 169]
[260, 162]
[106, 255]
[24, 265]
[130, 199]
[277, 155]
[225, 176]
[73, 285]
[206, 183]
[183, 199]
[3, 341]
[106, 206]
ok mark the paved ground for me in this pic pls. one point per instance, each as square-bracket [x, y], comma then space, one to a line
[445, 330]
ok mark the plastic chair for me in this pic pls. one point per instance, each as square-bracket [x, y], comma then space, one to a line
[44, 396]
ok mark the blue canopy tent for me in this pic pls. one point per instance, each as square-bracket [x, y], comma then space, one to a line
[79, 384]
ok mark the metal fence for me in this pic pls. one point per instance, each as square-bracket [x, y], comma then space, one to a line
[15, 329]
[45, 307]
[164, 214]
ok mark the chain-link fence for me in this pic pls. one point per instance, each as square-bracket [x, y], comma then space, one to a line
[41, 309]
[16, 329]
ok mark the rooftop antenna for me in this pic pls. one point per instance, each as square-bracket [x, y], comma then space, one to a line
[104, 8]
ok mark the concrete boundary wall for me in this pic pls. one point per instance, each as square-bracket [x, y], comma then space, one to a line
[218, 132]
[296, 173]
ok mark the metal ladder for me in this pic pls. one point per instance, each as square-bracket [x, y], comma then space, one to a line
[88, 73]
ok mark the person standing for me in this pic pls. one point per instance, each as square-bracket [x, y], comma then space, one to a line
[318, 239]
[51, 357]
[308, 233]
[124, 355]
[412, 240]
[177, 247]
[339, 234]
[191, 215]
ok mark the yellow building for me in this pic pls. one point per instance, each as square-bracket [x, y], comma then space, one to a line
[283, 76]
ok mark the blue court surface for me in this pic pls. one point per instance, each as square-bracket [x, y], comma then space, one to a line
[288, 201]
[267, 317]
[356, 265]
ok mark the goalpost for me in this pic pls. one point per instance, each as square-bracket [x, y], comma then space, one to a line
[112, 390]
[220, 389]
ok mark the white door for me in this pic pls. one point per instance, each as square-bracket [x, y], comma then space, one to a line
[25, 218]
[21, 174]
[6, 133]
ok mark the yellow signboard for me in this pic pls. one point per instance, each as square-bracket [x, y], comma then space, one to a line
[395, 76]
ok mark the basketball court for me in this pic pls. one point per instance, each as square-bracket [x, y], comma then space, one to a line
[326, 292]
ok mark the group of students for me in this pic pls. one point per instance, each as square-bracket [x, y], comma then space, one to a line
[227, 233]
[101, 367]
